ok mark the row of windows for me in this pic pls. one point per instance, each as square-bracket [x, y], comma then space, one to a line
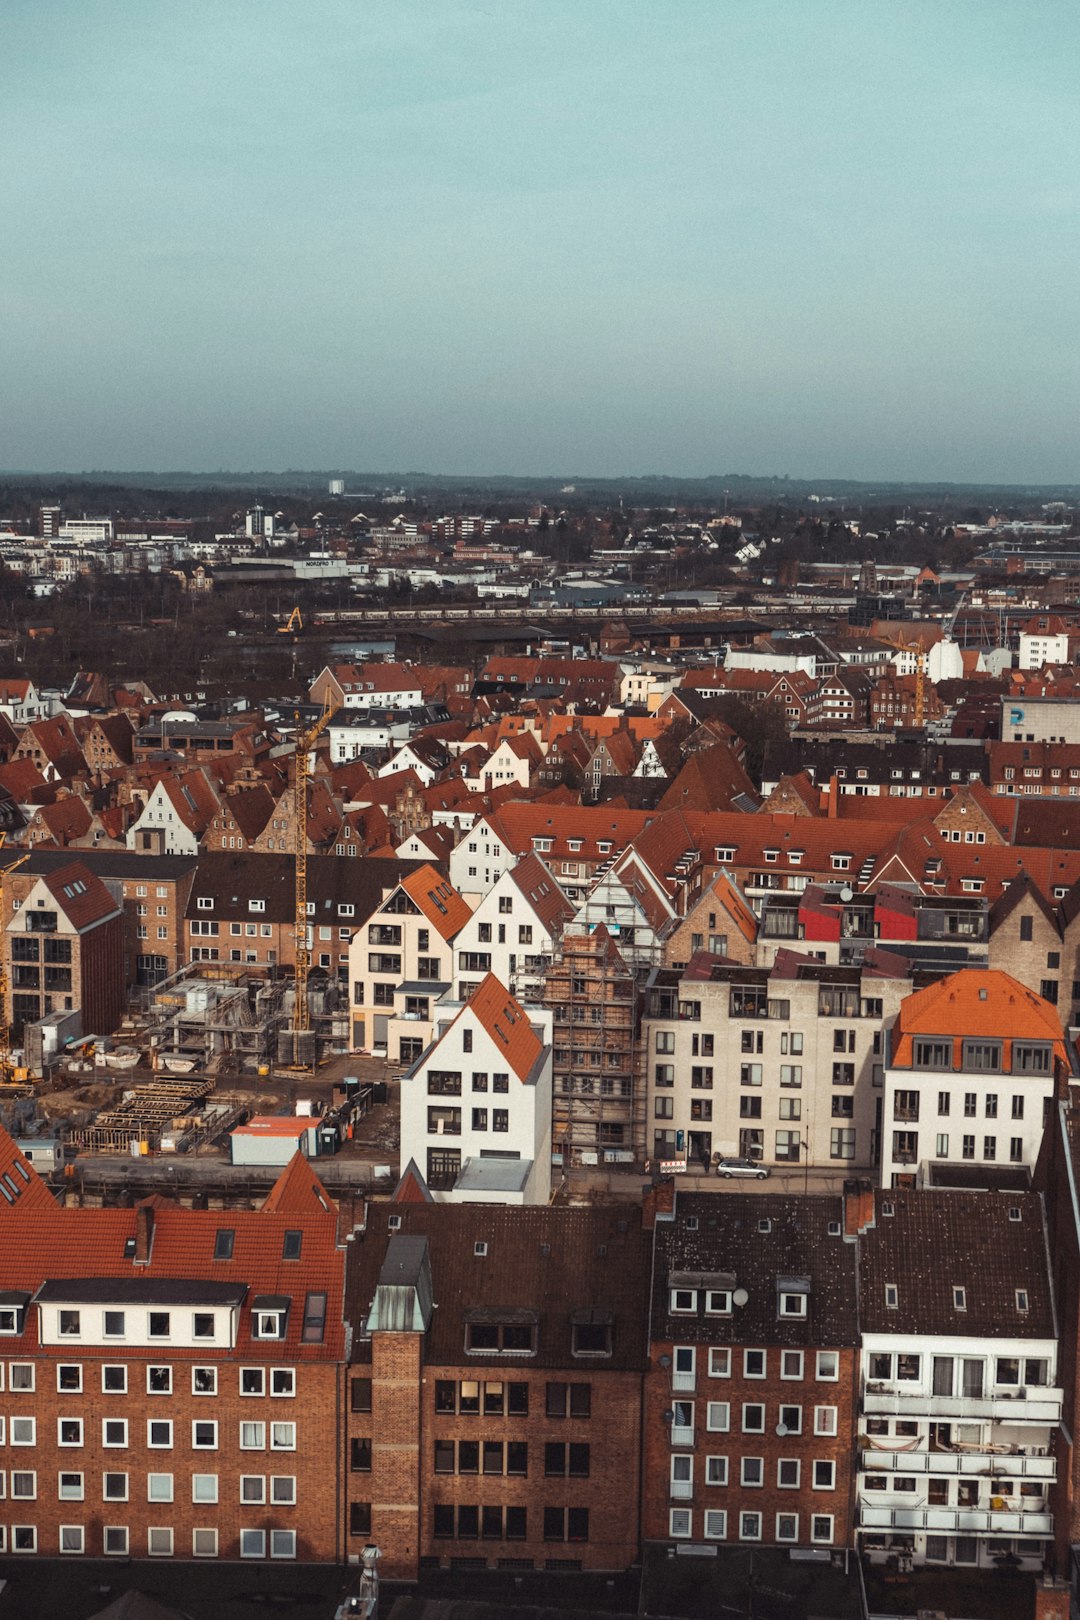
[22, 1431]
[906, 1146]
[906, 1105]
[718, 1419]
[752, 1471]
[748, 1526]
[280, 1490]
[468, 1523]
[253, 1381]
[116, 1541]
[468, 1397]
[755, 1364]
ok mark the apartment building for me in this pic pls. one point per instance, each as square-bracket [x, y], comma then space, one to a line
[838, 926]
[63, 947]
[959, 1386]
[513, 932]
[599, 1103]
[401, 964]
[503, 1427]
[974, 1063]
[174, 1377]
[476, 1107]
[750, 1396]
[783, 1064]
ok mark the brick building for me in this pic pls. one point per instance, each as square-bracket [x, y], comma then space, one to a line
[501, 1428]
[749, 1411]
[174, 1377]
[63, 949]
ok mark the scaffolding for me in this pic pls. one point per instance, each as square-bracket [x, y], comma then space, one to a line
[208, 1018]
[598, 1103]
[163, 1116]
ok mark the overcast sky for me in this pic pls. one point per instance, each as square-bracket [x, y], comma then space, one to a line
[816, 237]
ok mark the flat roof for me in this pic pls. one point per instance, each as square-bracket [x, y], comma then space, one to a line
[494, 1175]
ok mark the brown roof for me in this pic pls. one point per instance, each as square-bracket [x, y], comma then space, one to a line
[542, 892]
[543, 1260]
[440, 903]
[936, 1241]
[711, 779]
[81, 895]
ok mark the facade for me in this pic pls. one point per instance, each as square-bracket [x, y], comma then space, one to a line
[974, 1062]
[784, 1064]
[476, 1108]
[174, 1376]
[401, 964]
[513, 932]
[503, 1427]
[599, 1104]
[750, 1408]
[959, 1387]
[64, 950]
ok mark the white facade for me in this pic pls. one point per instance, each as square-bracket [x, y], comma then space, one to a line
[1039, 648]
[478, 1130]
[505, 936]
[159, 814]
[973, 1115]
[479, 860]
[957, 1453]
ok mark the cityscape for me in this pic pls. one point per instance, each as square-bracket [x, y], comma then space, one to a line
[540, 811]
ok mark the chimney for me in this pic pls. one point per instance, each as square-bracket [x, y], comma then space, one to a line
[858, 1206]
[144, 1234]
[1051, 1599]
[657, 1202]
[833, 794]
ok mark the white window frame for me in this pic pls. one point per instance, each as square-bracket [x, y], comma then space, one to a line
[715, 1466]
[715, 1524]
[799, 1359]
[720, 1363]
[680, 1523]
[718, 1417]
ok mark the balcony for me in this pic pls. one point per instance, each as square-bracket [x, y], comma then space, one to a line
[682, 1434]
[1033, 1406]
[997, 1464]
[682, 1490]
[957, 1521]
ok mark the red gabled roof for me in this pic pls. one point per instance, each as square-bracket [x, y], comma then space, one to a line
[506, 1021]
[81, 895]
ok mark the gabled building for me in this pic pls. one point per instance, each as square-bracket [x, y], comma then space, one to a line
[476, 1107]
[513, 932]
[64, 950]
[174, 1377]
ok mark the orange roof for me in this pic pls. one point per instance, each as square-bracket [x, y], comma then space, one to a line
[506, 1021]
[440, 903]
[274, 1125]
[976, 1002]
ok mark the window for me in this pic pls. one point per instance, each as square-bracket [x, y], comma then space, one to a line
[283, 1381]
[159, 1487]
[718, 1416]
[159, 1324]
[824, 1475]
[159, 1380]
[204, 1435]
[283, 1437]
[716, 1470]
[69, 1431]
[825, 1420]
[114, 1432]
[791, 1364]
[22, 1431]
[114, 1487]
[787, 1527]
[204, 1380]
[204, 1543]
[754, 1364]
[115, 1324]
[70, 1487]
[115, 1540]
[69, 1379]
[283, 1490]
[753, 1418]
[204, 1487]
[159, 1434]
[750, 1526]
[252, 1488]
[821, 1527]
[252, 1381]
[719, 1363]
[253, 1543]
[23, 1485]
[788, 1473]
[252, 1436]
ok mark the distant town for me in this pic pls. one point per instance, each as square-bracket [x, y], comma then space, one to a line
[538, 1035]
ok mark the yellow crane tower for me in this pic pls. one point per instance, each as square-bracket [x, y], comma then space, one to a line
[305, 742]
[8, 1074]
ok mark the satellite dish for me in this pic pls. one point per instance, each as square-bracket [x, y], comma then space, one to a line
[847, 893]
[739, 1297]
[665, 1362]
[781, 1429]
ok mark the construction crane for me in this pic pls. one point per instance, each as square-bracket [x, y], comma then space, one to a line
[305, 742]
[9, 1075]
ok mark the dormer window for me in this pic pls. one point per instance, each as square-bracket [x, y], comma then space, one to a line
[12, 1312]
[718, 1302]
[684, 1301]
[204, 904]
[592, 1333]
[256, 905]
[269, 1313]
[792, 1304]
[512, 1334]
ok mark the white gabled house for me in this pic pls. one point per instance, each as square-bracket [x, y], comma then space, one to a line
[513, 932]
[476, 1107]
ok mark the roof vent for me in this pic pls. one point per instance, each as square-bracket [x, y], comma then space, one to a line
[479, 1249]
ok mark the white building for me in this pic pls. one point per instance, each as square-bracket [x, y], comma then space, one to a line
[513, 932]
[476, 1108]
[970, 1073]
[959, 1381]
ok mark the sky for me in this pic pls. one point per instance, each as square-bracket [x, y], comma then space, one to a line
[822, 238]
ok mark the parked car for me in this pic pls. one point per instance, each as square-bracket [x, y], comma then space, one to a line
[742, 1167]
